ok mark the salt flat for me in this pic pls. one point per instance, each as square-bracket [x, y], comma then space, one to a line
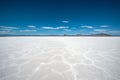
[59, 58]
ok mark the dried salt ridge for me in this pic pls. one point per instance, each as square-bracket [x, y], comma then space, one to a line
[59, 58]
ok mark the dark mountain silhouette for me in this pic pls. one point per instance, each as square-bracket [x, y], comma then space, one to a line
[101, 34]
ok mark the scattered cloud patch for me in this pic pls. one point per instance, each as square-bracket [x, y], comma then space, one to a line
[104, 26]
[65, 21]
[27, 30]
[86, 26]
[55, 28]
[7, 30]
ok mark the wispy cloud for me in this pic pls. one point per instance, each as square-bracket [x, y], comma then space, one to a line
[65, 21]
[104, 26]
[108, 31]
[28, 30]
[68, 30]
[114, 32]
[7, 30]
[62, 27]
[31, 26]
[46, 27]
[4, 32]
[54, 28]
[100, 30]
[86, 26]
[6, 27]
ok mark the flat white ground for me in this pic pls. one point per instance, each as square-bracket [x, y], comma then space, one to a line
[59, 58]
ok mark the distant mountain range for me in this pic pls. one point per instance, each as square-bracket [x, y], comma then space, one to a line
[99, 34]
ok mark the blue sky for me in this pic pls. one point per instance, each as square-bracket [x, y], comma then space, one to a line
[59, 17]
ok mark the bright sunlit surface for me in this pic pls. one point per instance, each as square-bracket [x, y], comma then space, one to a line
[59, 58]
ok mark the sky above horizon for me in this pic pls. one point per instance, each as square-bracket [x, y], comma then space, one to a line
[59, 17]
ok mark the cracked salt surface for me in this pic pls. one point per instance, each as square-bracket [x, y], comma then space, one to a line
[59, 58]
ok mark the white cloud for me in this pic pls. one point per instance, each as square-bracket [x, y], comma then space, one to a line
[100, 30]
[55, 28]
[62, 27]
[86, 26]
[27, 30]
[46, 27]
[104, 26]
[31, 26]
[64, 21]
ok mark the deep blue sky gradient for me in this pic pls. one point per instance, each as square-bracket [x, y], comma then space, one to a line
[22, 13]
